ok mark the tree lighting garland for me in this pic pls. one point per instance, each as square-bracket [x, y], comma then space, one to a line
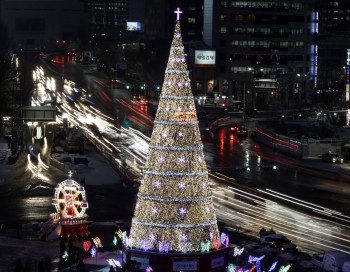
[174, 209]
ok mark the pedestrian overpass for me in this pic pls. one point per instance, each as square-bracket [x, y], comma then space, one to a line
[43, 114]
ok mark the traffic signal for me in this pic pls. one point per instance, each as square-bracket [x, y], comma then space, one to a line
[127, 87]
[158, 88]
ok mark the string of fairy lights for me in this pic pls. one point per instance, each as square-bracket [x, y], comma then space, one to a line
[174, 205]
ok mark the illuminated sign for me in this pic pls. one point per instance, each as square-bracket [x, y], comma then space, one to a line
[185, 265]
[218, 262]
[185, 116]
[133, 26]
[143, 260]
[347, 76]
[205, 58]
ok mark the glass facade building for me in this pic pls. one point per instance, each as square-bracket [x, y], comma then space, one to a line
[266, 52]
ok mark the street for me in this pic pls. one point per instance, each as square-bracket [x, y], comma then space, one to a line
[284, 198]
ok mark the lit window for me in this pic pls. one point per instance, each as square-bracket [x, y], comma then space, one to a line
[223, 30]
[191, 20]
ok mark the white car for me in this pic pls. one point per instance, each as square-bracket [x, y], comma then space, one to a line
[278, 242]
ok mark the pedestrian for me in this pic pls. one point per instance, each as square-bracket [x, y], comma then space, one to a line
[18, 231]
[111, 269]
[83, 181]
[81, 266]
[41, 266]
[48, 263]
[62, 247]
[70, 248]
[18, 266]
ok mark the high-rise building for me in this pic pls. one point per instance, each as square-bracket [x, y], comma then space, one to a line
[108, 16]
[333, 42]
[265, 49]
[40, 24]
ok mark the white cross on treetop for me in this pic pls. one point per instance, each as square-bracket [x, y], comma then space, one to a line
[178, 12]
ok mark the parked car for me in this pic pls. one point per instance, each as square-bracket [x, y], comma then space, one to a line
[140, 99]
[238, 130]
[332, 261]
[278, 242]
[332, 157]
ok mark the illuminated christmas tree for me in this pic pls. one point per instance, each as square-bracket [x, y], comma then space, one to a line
[174, 210]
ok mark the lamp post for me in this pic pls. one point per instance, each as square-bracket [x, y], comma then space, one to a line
[245, 92]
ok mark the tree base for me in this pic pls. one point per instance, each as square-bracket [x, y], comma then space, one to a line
[215, 260]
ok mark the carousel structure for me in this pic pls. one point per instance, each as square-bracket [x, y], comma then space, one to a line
[70, 218]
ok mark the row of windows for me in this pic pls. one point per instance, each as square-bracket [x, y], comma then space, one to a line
[266, 58]
[268, 44]
[266, 70]
[262, 30]
[265, 18]
[263, 4]
[30, 24]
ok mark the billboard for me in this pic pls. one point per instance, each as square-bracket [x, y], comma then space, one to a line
[204, 58]
[133, 26]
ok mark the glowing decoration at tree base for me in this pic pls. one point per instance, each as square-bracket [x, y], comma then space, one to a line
[205, 246]
[114, 263]
[120, 234]
[65, 256]
[93, 251]
[285, 268]
[149, 269]
[231, 268]
[185, 247]
[97, 242]
[217, 244]
[273, 266]
[237, 251]
[163, 247]
[86, 245]
[115, 240]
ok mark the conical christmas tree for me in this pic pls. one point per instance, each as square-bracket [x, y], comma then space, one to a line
[174, 209]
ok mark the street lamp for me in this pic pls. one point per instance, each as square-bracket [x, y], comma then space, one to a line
[245, 94]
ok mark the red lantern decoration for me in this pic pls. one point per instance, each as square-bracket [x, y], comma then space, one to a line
[87, 245]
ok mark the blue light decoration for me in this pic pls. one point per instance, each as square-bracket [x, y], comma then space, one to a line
[145, 244]
[149, 269]
[164, 247]
[273, 266]
[252, 259]
[223, 238]
[93, 251]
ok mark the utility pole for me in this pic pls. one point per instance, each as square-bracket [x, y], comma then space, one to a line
[244, 99]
